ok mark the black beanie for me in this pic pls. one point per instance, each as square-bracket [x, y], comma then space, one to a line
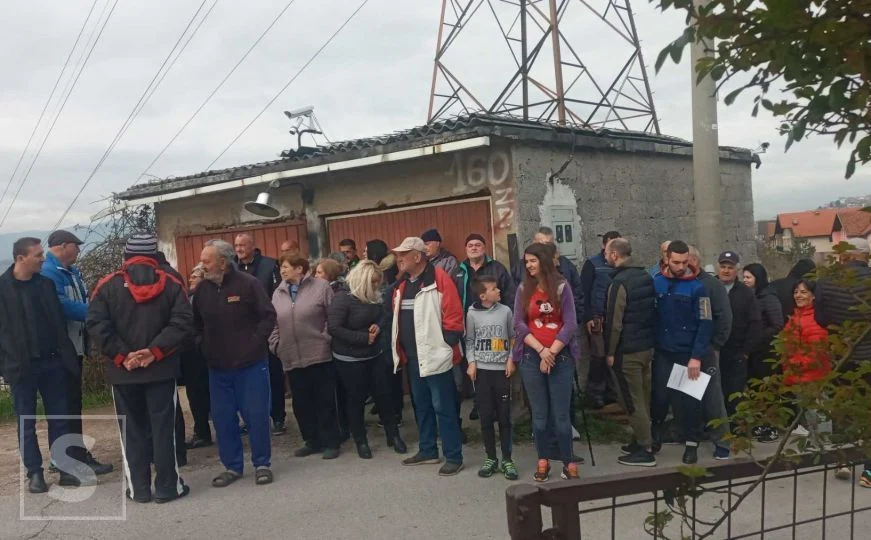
[475, 236]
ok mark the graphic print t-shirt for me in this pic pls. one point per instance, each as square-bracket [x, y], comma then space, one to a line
[543, 318]
[488, 336]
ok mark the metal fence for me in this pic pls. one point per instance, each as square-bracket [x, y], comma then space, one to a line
[796, 500]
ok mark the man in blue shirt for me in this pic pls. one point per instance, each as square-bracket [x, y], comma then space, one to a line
[683, 337]
[59, 267]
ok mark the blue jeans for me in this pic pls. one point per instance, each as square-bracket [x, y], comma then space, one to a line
[48, 377]
[244, 391]
[435, 399]
[550, 397]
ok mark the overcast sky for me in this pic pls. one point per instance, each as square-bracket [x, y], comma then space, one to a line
[373, 79]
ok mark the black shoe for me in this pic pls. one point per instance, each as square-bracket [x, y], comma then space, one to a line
[36, 483]
[363, 451]
[639, 458]
[70, 480]
[691, 455]
[307, 450]
[418, 459]
[197, 442]
[184, 491]
[473, 416]
[331, 453]
[450, 469]
[767, 435]
[96, 466]
[278, 428]
[630, 448]
[140, 498]
[399, 445]
[657, 439]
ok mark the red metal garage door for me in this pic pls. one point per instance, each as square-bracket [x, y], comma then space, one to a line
[455, 220]
[266, 237]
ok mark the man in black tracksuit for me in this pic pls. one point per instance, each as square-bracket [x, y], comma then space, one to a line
[265, 269]
[746, 328]
[139, 317]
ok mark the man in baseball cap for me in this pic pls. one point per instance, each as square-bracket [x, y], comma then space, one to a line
[746, 328]
[59, 266]
[426, 295]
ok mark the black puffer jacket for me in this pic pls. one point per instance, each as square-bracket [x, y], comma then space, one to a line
[746, 319]
[772, 320]
[140, 307]
[834, 305]
[348, 322]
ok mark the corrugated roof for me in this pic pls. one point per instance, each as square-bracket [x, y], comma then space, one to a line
[438, 132]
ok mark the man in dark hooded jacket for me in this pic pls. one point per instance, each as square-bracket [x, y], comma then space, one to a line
[139, 317]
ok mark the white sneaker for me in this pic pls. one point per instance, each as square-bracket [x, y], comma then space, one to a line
[575, 435]
[800, 431]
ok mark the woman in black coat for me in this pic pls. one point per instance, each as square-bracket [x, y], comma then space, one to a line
[354, 321]
[756, 277]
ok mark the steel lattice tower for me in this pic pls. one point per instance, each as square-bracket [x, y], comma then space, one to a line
[547, 77]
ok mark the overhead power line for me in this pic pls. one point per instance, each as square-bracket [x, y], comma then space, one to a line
[143, 99]
[47, 102]
[215, 91]
[60, 110]
[292, 79]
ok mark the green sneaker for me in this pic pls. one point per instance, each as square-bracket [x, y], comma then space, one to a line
[489, 468]
[509, 469]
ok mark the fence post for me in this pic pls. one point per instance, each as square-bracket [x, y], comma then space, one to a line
[524, 512]
[567, 520]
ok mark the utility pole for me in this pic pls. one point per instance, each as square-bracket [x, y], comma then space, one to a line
[706, 156]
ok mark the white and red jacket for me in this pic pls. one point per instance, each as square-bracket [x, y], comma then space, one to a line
[438, 323]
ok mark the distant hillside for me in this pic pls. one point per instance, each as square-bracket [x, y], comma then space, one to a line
[6, 241]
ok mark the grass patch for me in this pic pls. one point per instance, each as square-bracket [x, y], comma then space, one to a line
[90, 400]
[602, 430]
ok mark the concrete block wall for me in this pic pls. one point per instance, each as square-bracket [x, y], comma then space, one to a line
[647, 197]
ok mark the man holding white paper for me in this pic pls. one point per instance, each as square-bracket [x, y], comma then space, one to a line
[683, 337]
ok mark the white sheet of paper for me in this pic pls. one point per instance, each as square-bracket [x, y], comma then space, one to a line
[679, 380]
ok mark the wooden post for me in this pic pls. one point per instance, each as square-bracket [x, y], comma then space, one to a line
[524, 512]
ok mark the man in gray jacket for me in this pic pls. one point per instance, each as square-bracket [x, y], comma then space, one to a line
[713, 403]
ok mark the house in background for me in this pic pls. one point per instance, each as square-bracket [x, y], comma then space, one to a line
[765, 232]
[821, 228]
[857, 224]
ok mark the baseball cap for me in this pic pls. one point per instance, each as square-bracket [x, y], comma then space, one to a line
[412, 243]
[61, 236]
[729, 256]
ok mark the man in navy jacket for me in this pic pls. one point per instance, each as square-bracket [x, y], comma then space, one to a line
[683, 337]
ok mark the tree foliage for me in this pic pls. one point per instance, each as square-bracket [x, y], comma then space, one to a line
[817, 52]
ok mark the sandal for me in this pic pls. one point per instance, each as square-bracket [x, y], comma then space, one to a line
[263, 477]
[225, 479]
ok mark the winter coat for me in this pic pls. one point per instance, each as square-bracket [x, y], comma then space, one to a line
[836, 305]
[300, 338]
[746, 319]
[348, 322]
[807, 358]
[265, 269]
[683, 315]
[466, 274]
[438, 318]
[73, 296]
[630, 314]
[140, 307]
[595, 278]
[234, 320]
[17, 326]
[720, 309]
[445, 260]
[772, 321]
[783, 287]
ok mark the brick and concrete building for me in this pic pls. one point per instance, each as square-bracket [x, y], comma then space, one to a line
[486, 174]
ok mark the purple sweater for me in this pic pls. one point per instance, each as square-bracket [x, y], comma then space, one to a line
[566, 335]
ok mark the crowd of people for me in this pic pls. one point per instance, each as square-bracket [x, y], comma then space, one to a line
[345, 331]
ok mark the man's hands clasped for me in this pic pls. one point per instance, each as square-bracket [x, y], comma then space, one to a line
[138, 359]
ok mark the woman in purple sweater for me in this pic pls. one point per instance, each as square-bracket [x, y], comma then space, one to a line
[545, 324]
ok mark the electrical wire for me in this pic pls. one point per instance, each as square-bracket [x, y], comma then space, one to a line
[47, 102]
[215, 90]
[60, 110]
[143, 99]
[292, 79]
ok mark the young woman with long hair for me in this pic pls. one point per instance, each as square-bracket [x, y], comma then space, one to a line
[545, 323]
